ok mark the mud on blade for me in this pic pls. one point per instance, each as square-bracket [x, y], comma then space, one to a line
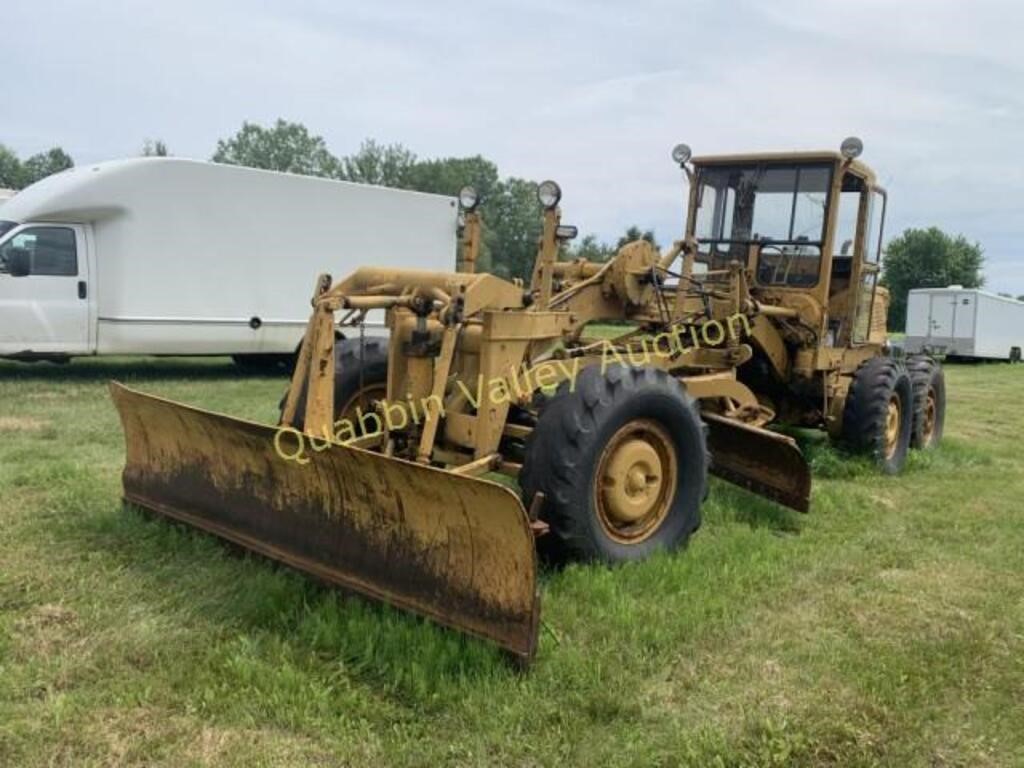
[759, 460]
[455, 549]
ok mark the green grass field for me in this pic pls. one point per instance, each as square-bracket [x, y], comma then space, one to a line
[886, 627]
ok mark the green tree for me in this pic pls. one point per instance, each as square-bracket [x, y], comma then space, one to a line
[509, 207]
[384, 165]
[287, 147]
[17, 174]
[591, 249]
[927, 258]
[513, 222]
[154, 148]
[10, 169]
[447, 175]
[635, 233]
[1021, 297]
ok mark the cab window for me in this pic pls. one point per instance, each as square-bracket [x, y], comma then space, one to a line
[873, 228]
[51, 250]
[778, 208]
[876, 222]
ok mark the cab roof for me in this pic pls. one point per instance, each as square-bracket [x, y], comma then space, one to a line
[823, 156]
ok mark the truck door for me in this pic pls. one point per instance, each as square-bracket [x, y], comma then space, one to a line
[47, 310]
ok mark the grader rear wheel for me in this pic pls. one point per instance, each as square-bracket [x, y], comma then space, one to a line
[893, 420]
[878, 415]
[622, 461]
[929, 385]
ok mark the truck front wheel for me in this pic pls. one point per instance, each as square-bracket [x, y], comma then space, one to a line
[265, 365]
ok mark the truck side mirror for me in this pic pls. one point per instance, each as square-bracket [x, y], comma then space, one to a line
[19, 262]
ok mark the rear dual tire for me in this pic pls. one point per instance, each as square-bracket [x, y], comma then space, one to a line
[929, 386]
[878, 415]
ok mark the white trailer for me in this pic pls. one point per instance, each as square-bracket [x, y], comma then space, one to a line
[166, 256]
[964, 322]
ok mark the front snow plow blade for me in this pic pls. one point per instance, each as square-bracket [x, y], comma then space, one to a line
[454, 549]
[759, 460]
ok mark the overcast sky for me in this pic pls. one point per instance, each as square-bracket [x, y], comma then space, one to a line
[591, 94]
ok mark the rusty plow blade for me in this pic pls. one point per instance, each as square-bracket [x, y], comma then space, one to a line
[759, 460]
[454, 549]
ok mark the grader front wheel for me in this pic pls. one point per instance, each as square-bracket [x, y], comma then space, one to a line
[622, 461]
[637, 475]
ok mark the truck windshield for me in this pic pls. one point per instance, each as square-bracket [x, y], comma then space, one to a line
[779, 207]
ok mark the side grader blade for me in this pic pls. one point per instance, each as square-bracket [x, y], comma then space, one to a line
[454, 549]
[759, 460]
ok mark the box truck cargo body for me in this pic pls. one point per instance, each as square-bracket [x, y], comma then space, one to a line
[165, 256]
[964, 322]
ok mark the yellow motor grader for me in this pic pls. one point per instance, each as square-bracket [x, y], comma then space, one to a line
[608, 390]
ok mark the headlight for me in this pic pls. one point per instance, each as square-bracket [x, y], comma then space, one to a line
[549, 193]
[851, 147]
[566, 232]
[468, 198]
[681, 153]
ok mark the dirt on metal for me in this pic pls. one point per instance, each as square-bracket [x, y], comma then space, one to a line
[759, 460]
[458, 550]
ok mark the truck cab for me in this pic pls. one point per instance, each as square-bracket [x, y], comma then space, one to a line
[45, 306]
[169, 256]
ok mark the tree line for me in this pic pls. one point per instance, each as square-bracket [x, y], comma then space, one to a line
[18, 174]
[918, 258]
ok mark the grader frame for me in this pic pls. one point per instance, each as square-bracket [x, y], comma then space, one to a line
[498, 334]
[407, 512]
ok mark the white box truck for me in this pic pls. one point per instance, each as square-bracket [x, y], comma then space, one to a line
[964, 322]
[166, 256]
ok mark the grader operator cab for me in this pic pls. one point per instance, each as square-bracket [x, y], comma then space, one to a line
[384, 474]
